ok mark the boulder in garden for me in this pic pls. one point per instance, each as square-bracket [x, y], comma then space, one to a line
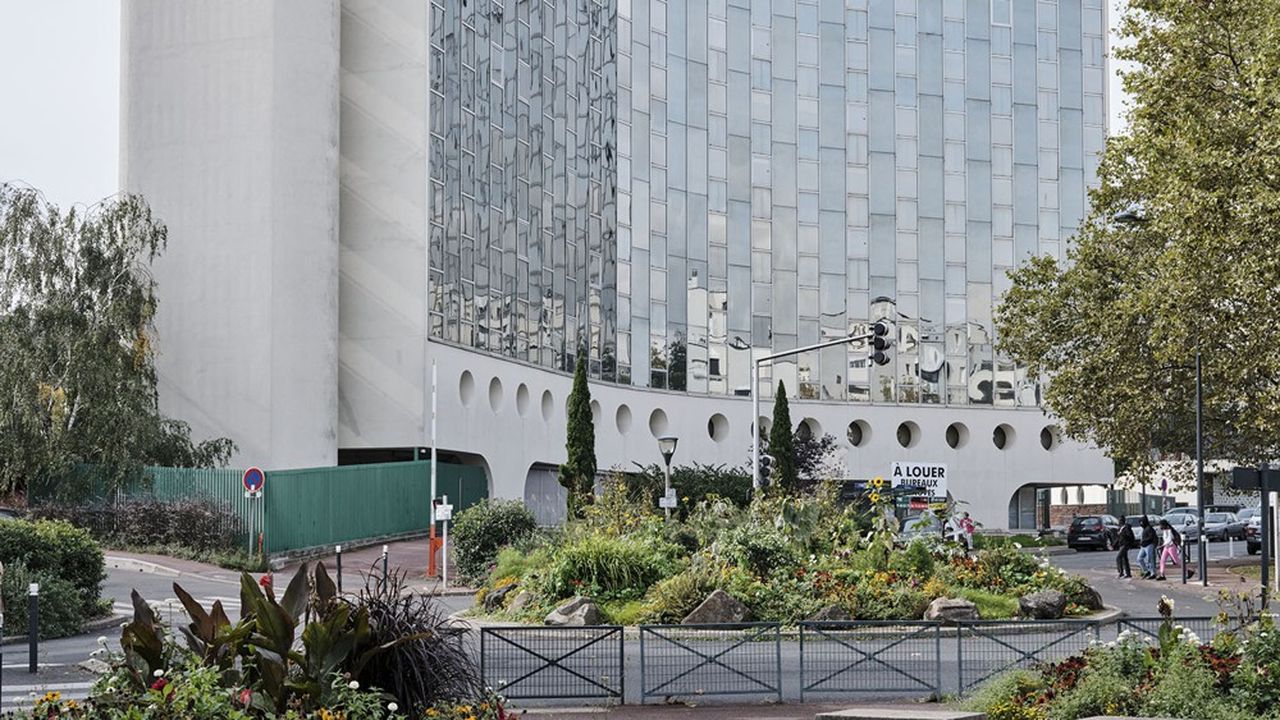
[951, 610]
[577, 612]
[719, 607]
[831, 613]
[1043, 605]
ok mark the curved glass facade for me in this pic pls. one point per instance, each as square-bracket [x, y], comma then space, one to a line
[672, 186]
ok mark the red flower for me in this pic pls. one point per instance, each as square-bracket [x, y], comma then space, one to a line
[265, 581]
[159, 684]
[246, 696]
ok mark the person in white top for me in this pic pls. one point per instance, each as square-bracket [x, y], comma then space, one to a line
[1169, 542]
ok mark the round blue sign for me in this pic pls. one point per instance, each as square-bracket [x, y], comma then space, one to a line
[254, 479]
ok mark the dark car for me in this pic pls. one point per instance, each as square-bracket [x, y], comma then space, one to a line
[1253, 535]
[1093, 532]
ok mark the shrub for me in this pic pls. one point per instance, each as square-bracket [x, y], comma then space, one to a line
[200, 524]
[758, 549]
[693, 484]
[670, 600]
[56, 549]
[606, 567]
[61, 610]
[433, 666]
[482, 529]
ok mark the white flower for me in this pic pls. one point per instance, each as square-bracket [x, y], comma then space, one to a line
[1017, 546]
[102, 640]
[392, 707]
[157, 673]
[353, 685]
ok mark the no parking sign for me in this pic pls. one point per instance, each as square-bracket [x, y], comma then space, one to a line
[254, 480]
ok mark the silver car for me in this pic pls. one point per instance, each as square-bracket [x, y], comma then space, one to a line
[1223, 526]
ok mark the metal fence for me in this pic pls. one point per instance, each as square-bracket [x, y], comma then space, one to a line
[830, 659]
[299, 509]
[890, 658]
[528, 663]
[1149, 628]
[987, 649]
[695, 660]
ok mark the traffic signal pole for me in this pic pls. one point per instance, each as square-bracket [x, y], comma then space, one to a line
[879, 330]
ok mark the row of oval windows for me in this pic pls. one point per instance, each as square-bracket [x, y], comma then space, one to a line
[858, 432]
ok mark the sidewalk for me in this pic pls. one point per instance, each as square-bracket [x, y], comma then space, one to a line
[406, 556]
[788, 711]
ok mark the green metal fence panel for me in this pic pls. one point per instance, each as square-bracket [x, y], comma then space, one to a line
[318, 507]
[218, 486]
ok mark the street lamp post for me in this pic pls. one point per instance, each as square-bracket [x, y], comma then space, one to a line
[878, 331]
[1134, 215]
[667, 446]
[1201, 555]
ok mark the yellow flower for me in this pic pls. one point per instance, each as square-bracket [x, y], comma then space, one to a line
[877, 482]
[875, 498]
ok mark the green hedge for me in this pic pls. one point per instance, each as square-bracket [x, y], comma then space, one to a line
[483, 529]
[55, 549]
[60, 611]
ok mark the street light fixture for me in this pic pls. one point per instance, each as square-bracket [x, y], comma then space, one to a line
[667, 446]
[1134, 215]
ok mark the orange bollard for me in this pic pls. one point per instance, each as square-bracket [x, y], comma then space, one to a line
[432, 545]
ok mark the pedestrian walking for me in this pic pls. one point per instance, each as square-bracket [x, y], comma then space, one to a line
[1147, 551]
[966, 527]
[1124, 543]
[1169, 542]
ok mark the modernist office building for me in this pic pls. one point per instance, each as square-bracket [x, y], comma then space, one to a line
[361, 190]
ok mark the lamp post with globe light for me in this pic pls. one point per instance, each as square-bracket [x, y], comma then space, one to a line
[667, 446]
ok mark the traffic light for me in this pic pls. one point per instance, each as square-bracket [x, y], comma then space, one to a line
[880, 342]
[766, 468]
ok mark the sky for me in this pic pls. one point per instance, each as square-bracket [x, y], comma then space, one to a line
[60, 96]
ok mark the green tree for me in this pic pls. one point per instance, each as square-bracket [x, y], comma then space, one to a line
[1116, 327]
[578, 473]
[77, 371]
[782, 444]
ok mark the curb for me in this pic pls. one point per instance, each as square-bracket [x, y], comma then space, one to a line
[89, 628]
[119, 562]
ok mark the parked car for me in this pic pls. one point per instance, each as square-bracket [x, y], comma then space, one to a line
[1253, 535]
[1187, 525]
[1223, 526]
[919, 526]
[1178, 512]
[1247, 515]
[1093, 532]
[1135, 522]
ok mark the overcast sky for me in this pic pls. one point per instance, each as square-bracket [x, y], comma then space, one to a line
[60, 96]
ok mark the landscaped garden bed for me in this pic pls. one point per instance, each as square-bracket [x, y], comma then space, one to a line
[778, 559]
[1171, 674]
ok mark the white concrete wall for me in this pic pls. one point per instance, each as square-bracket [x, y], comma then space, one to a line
[490, 419]
[383, 267]
[229, 128]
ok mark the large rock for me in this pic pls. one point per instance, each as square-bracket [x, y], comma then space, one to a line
[951, 610]
[520, 602]
[496, 598]
[719, 607]
[1043, 605]
[1087, 598]
[831, 613]
[578, 611]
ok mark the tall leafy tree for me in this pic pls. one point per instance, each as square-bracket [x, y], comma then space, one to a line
[782, 444]
[578, 473]
[77, 371]
[1116, 327]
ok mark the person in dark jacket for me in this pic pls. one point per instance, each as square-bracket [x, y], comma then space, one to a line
[1124, 542]
[1147, 551]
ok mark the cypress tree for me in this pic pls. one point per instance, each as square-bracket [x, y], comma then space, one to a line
[782, 444]
[578, 473]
